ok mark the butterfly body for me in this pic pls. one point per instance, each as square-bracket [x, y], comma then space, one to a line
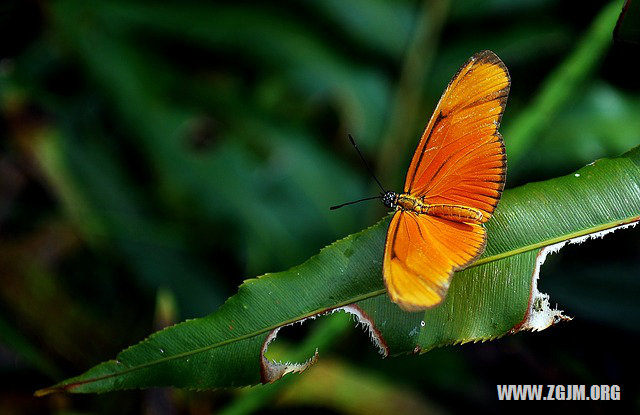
[453, 185]
[405, 201]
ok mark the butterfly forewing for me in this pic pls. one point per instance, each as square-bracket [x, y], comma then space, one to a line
[460, 161]
[460, 158]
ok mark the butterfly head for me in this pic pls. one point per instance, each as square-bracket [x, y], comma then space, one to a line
[389, 199]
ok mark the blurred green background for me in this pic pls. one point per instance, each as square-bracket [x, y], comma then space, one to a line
[155, 155]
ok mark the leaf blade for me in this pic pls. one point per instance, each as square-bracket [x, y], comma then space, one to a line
[348, 271]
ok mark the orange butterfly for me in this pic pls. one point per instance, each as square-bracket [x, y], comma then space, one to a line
[452, 187]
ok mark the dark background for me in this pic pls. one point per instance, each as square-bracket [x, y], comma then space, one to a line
[155, 154]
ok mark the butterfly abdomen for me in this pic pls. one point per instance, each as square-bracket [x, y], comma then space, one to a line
[455, 212]
[446, 211]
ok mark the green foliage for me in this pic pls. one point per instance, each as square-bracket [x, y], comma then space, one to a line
[488, 300]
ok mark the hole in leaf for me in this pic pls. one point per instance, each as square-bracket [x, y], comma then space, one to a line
[294, 347]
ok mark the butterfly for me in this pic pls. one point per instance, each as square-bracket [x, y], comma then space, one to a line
[452, 187]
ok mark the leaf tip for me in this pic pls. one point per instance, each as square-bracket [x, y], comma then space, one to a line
[44, 392]
[51, 390]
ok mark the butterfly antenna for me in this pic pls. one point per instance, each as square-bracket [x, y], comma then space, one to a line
[355, 201]
[353, 142]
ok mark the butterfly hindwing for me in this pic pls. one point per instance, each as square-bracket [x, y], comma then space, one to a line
[423, 251]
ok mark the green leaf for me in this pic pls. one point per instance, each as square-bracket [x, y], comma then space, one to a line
[561, 84]
[496, 296]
